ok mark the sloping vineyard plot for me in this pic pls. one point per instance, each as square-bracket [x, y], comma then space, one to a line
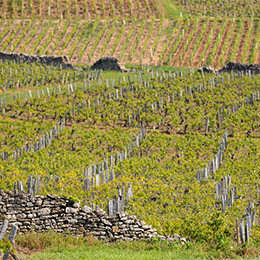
[182, 42]
[87, 140]
[82, 9]
[224, 8]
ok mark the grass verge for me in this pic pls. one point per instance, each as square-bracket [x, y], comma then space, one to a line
[50, 245]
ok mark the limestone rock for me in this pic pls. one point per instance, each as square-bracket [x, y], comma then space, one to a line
[44, 211]
[109, 63]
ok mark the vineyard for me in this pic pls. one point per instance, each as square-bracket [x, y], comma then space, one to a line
[159, 131]
[223, 8]
[181, 144]
[82, 9]
[180, 42]
[89, 9]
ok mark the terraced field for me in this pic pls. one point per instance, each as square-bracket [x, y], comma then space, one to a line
[83, 9]
[180, 43]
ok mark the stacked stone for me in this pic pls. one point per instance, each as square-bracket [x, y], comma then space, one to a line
[61, 215]
[58, 61]
[233, 66]
[109, 63]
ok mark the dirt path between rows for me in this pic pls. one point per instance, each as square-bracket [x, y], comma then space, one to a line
[51, 43]
[126, 58]
[186, 57]
[240, 50]
[147, 52]
[62, 40]
[152, 7]
[175, 60]
[216, 60]
[230, 45]
[122, 40]
[211, 44]
[250, 43]
[9, 46]
[169, 49]
[97, 52]
[140, 45]
[197, 57]
[9, 33]
[161, 44]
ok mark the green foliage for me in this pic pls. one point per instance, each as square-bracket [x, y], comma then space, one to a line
[163, 169]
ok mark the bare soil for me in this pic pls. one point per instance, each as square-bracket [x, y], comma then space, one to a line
[186, 57]
[138, 51]
[146, 59]
[242, 42]
[9, 46]
[231, 43]
[122, 40]
[9, 33]
[23, 41]
[132, 39]
[51, 44]
[212, 42]
[112, 39]
[147, 52]
[201, 47]
[216, 62]
[160, 45]
[252, 37]
[175, 60]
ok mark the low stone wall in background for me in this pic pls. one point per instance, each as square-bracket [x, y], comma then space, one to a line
[57, 61]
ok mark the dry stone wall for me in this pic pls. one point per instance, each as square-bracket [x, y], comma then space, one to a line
[60, 214]
[109, 63]
[57, 61]
[235, 67]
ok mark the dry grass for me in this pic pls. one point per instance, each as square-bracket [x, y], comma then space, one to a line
[32, 242]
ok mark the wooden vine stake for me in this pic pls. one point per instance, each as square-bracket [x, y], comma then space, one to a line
[237, 232]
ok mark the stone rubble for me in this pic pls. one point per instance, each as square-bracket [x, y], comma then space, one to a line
[57, 61]
[109, 63]
[233, 66]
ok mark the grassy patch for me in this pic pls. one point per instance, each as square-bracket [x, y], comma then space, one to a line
[50, 245]
[172, 9]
